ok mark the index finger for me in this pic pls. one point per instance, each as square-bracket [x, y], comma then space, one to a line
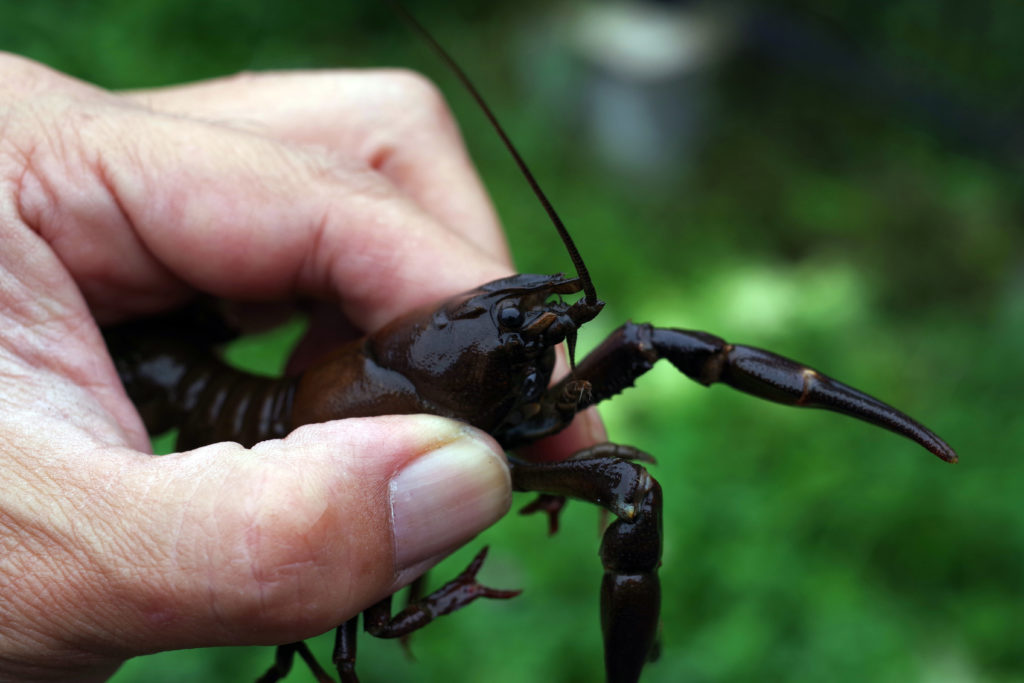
[142, 207]
[395, 121]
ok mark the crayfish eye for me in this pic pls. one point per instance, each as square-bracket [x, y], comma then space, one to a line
[510, 317]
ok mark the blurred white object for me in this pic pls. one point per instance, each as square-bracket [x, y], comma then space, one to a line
[649, 73]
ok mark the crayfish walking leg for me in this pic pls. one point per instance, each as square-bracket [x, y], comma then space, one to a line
[630, 549]
[283, 664]
[378, 620]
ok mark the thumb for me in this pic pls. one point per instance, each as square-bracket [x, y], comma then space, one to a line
[292, 537]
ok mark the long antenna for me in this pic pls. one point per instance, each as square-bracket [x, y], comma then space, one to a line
[574, 254]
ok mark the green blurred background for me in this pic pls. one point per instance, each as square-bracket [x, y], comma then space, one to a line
[854, 201]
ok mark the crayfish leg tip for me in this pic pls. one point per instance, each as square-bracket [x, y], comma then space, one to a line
[476, 563]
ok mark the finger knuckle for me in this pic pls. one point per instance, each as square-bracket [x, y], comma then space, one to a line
[419, 100]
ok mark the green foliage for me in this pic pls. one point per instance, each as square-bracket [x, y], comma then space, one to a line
[819, 220]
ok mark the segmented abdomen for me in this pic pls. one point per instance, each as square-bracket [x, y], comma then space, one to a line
[175, 379]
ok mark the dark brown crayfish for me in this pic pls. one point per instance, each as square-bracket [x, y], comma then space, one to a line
[485, 357]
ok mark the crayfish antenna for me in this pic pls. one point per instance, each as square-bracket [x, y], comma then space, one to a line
[581, 269]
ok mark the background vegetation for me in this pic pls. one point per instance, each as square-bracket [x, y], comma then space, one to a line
[855, 201]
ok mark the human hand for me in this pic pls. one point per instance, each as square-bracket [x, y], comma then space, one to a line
[351, 188]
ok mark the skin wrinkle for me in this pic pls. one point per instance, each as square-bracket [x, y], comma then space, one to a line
[137, 181]
[21, 188]
[169, 204]
[25, 164]
[102, 575]
[9, 357]
[205, 566]
[269, 578]
[24, 250]
[55, 342]
[155, 597]
[65, 404]
[31, 634]
[307, 271]
[146, 103]
[319, 261]
[412, 107]
[32, 218]
[81, 631]
[252, 547]
[373, 183]
[355, 454]
[78, 578]
[45, 326]
[178, 535]
[356, 255]
[119, 575]
[31, 343]
[240, 251]
[99, 494]
[60, 141]
[61, 572]
[229, 520]
[381, 263]
[182, 207]
[183, 569]
[32, 541]
[103, 175]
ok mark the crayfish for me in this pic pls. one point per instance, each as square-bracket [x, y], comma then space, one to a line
[485, 357]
